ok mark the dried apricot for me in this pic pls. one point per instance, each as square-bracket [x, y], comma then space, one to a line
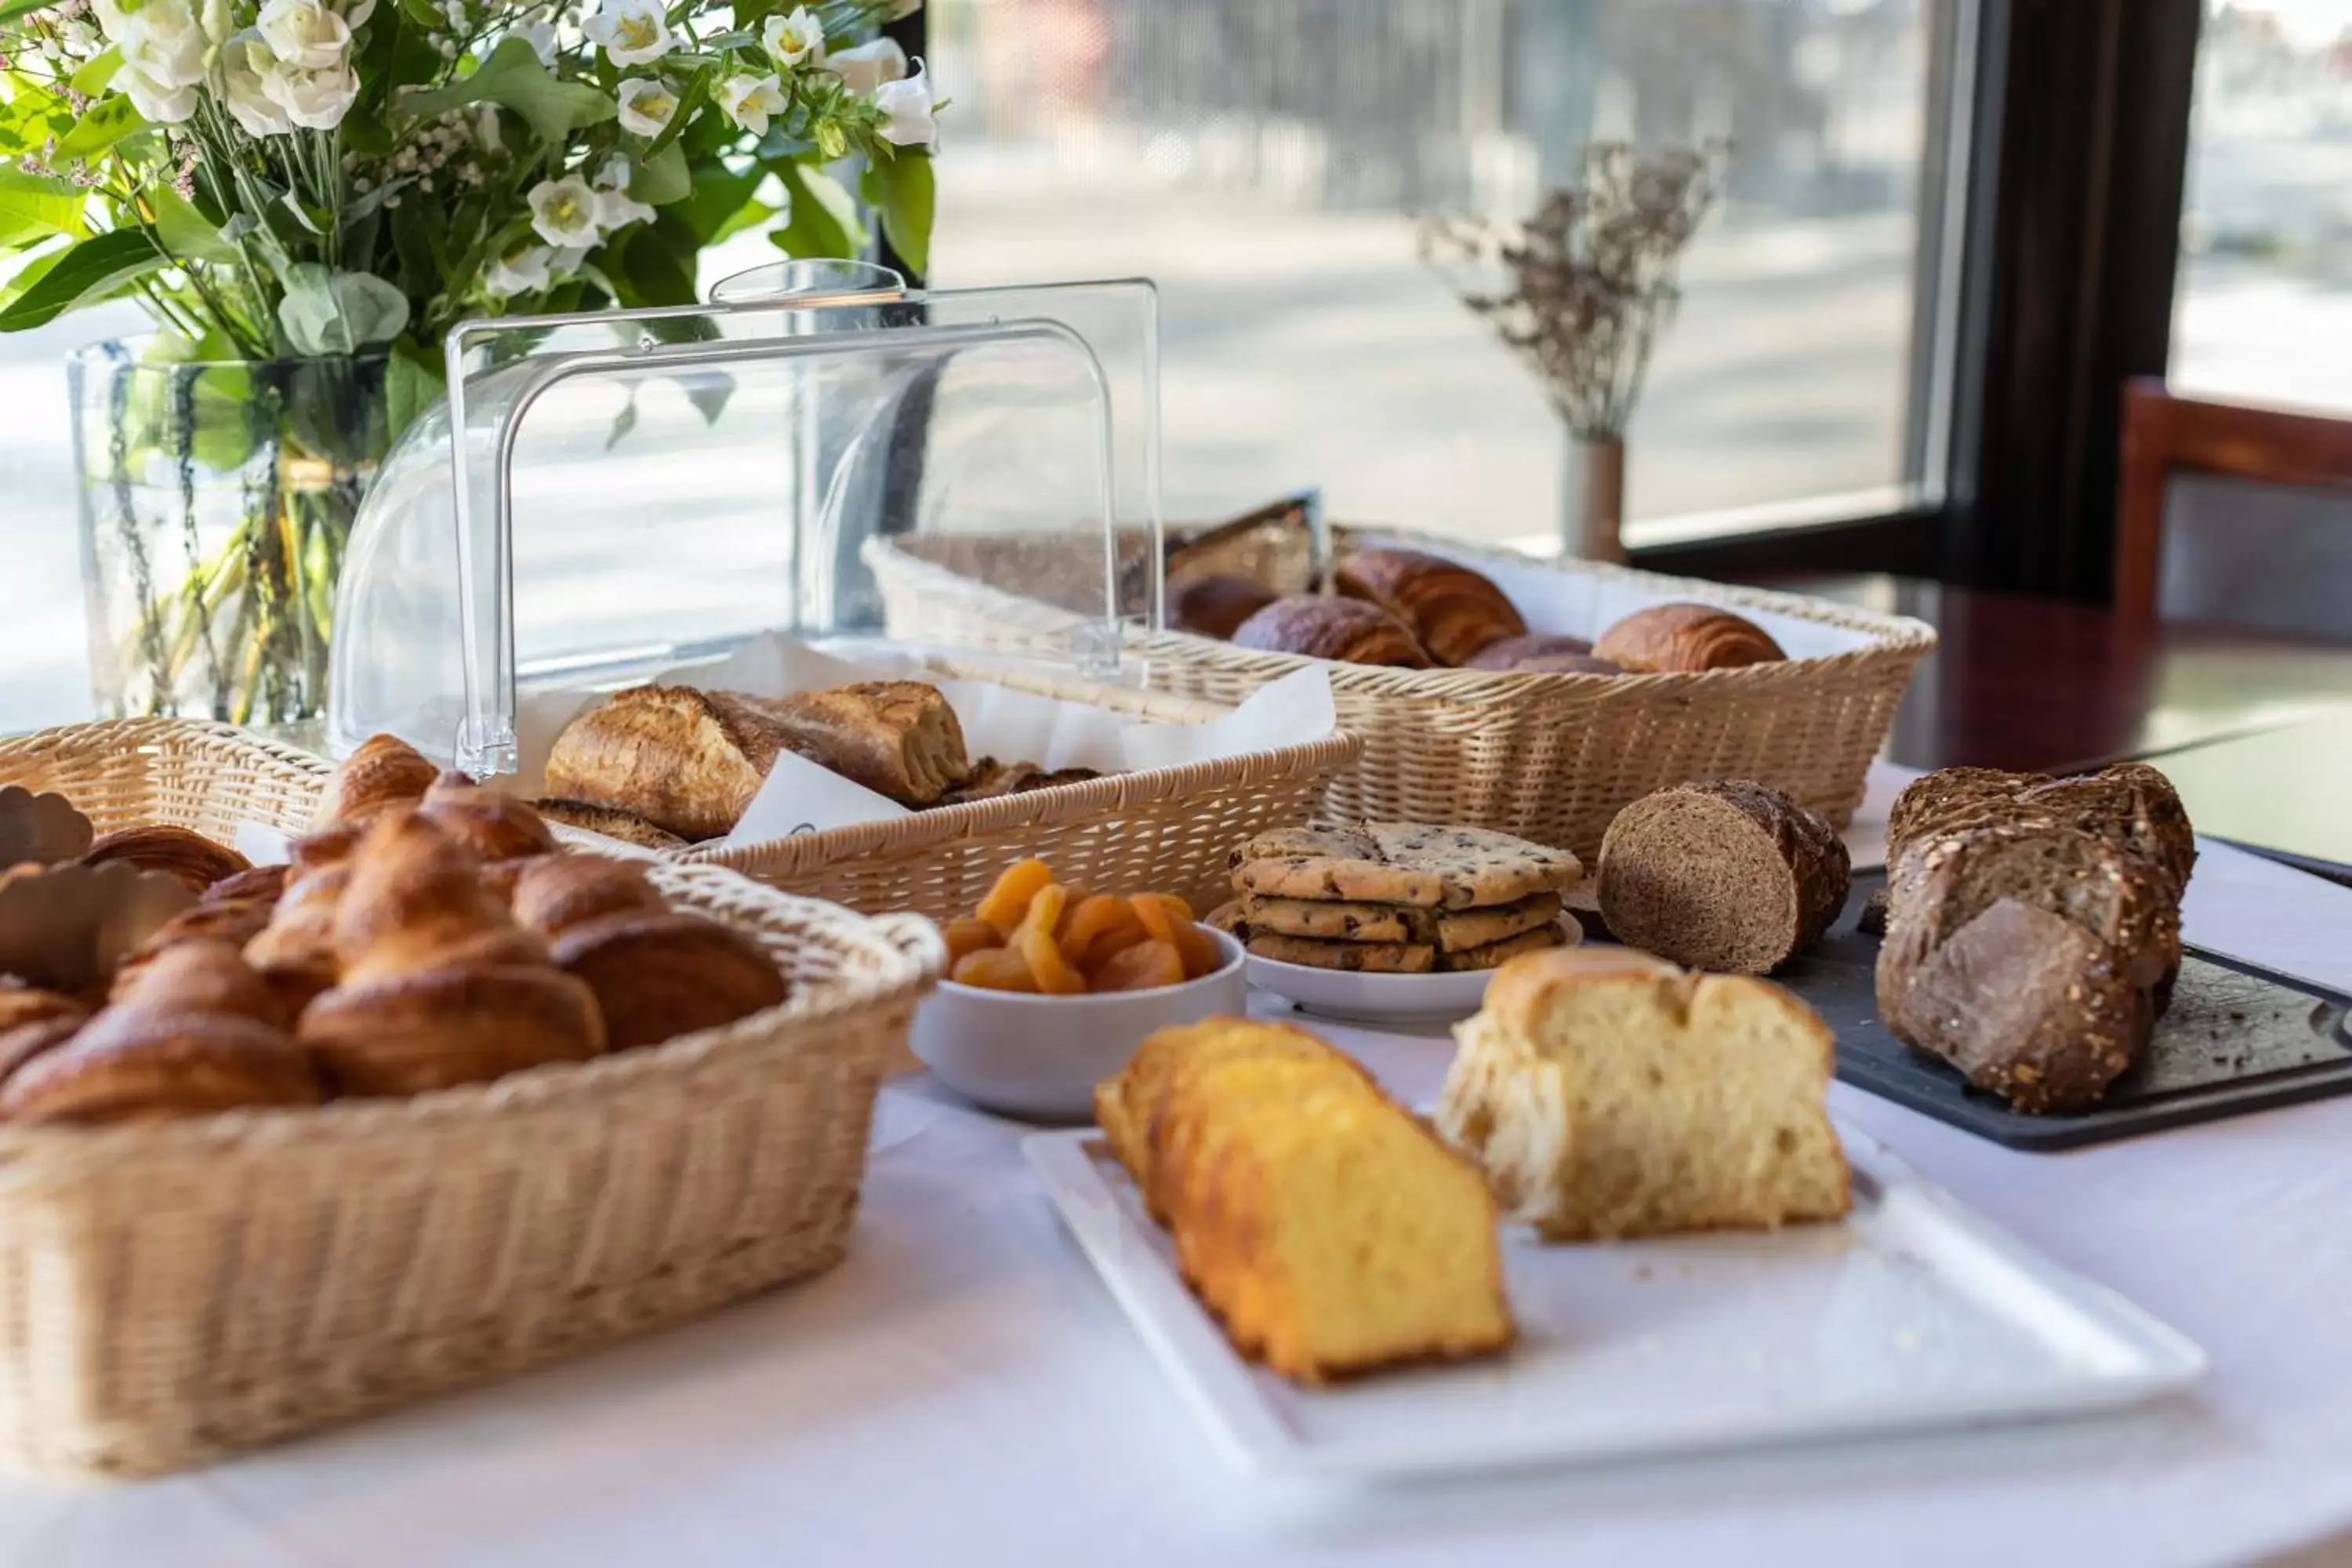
[1092, 919]
[971, 934]
[1056, 977]
[1044, 913]
[1169, 919]
[1008, 900]
[1139, 968]
[994, 969]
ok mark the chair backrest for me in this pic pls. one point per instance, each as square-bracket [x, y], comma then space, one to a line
[2259, 529]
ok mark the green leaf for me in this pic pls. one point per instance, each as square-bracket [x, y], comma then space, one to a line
[35, 269]
[97, 71]
[411, 383]
[657, 266]
[901, 189]
[339, 312]
[721, 201]
[109, 120]
[662, 178]
[15, 8]
[186, 232]
[513, 79]
[31, 205]
[824, 217]
[423, 14]
[95, 269]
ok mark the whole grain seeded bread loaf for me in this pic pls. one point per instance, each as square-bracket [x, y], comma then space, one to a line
[1727, 876]
[2029, 956]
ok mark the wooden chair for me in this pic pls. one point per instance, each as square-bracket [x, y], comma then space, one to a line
[2288, 556]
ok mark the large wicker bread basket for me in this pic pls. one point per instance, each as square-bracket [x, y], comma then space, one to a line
[177, 1291]
[1549, 757]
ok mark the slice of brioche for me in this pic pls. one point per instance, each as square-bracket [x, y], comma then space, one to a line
[1609, 1094]
[1127, 1105]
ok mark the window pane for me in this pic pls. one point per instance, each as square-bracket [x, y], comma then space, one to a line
[2263, 305]
[1262, 160]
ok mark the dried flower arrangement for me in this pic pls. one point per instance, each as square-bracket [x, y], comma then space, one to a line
[1591, 275]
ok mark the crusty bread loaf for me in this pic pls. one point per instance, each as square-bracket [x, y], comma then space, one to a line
[899, 738]
[1730, 877]
[685, 760]
[1607, 1093]
[1686, 638]
[1348, 630]
[1326, 1228]
[1451, 610]
[2029, 956]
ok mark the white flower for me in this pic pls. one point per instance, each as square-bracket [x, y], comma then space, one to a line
[795, 40]
[612, 174]
[486, 127]
[905, 109]
[539, 31]
[316, 99]
[567, 259]
[304, 33]
[645, 105]
[634, 32]
[162, 105]
[523, 271]
[247, 65]
[618, 209]
[869, 65]
[163, 44]
[749, 101]
[563, 212]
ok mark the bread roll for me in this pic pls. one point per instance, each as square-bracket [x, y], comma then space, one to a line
[1609, 1094]
[687, 761]
[1451, 610]
[1215, 603]
[1348, 630]
[554, 895]
[1684, 638]
[1728, 877]
[1541, 653]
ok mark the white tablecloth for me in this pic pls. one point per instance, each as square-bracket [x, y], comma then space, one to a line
[963, 1390]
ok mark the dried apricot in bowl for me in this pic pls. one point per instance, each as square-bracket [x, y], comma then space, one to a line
[1169, 919]
[969, 935]
[1099, 925]
[1007, 902]
[1147, 964]
[994, 969]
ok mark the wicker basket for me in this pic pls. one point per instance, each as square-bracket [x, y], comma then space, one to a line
[1549, 757]
[172, 1292]
[1167, 829]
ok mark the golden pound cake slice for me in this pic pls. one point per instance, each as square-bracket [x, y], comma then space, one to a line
[1328, 1231]
[1609, 1094]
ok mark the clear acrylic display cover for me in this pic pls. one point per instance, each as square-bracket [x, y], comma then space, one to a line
[639, 489]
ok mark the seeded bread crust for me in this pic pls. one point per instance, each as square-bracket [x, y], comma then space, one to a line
[2029, 956]
[1402, 863]
[1679, 875]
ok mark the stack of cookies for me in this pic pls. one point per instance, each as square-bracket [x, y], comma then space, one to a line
[1395, 898]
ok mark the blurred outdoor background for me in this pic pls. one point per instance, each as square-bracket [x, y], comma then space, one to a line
[1265, 161]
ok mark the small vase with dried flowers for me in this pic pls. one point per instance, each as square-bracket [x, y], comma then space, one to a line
[1588, 283]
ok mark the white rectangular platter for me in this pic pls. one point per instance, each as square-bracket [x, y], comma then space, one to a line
[1914, 1314]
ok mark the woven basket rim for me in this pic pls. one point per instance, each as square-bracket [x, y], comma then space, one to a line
[905, 951]
[154, 728]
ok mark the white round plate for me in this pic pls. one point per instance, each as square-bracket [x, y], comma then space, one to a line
[1373, 999]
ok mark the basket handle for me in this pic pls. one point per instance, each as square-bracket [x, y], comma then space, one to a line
[917, 937]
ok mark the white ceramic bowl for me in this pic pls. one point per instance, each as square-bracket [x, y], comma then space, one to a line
[1041, 1056]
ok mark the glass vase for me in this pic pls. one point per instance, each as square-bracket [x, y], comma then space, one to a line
[217, 497]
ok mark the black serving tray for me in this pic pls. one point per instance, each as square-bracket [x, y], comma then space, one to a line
[2235, 1039]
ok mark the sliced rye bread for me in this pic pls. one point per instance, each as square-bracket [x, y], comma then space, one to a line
[2131, 804]
[1936, 800]
[2029, 957]
[1728, 877]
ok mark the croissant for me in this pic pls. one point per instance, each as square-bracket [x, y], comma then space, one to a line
[436, 985]
[1686, 638]
[262, 885]
[554, 895]
[235, 921]
[655, 976]
[1348, 630]
[198, 1032]
[385, 771]
[294, 951]
[33, 1021]
[493, 826]
[1453, 611]
[194, 860]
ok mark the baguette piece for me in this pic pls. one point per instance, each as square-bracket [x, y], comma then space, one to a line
[897, 738]
[685, 760]
[1730, 877]
[1607, 1093]
[2029, 957]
